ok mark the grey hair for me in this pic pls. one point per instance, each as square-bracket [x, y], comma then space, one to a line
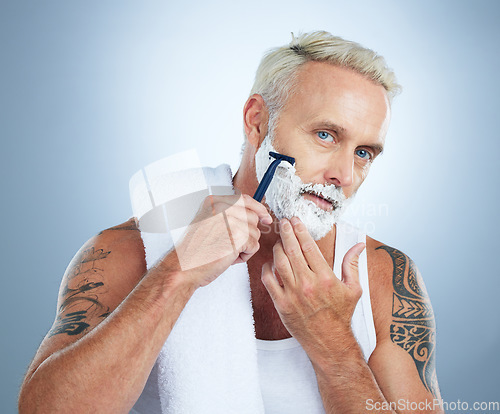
[278, 69]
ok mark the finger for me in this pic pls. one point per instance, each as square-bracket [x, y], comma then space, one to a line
[310, 249]
[244, 238]
[292, 249]
[238, 260]
[218, 204]
[221, 203]
[245, 257]
[243, 214]
[278, 277]
[258, 208]
[350, 272]
[282, 265]
[271, 283]
[251, 247]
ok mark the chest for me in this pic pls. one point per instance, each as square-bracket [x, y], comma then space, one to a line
[267, 321]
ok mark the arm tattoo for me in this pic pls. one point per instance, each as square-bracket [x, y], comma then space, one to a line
[81, 294]
[123, 226]
[413, 327]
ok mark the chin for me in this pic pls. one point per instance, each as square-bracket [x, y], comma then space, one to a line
[317, 221]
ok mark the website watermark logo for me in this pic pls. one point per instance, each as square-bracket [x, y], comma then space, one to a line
[431, 405]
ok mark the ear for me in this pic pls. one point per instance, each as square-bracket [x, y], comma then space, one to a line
[255, 120]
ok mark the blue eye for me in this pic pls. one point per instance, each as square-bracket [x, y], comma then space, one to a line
[364, 154]
[324, 136]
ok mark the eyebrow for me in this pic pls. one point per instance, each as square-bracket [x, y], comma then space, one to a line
[378, 148]
[329, 125]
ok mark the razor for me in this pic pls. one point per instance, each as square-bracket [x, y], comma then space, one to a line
[268, 176]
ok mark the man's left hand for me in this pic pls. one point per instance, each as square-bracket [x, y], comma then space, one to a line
[314, 305]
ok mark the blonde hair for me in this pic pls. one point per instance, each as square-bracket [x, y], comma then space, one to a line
[278, 69]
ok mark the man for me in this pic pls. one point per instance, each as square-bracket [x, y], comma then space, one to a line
[326, 102]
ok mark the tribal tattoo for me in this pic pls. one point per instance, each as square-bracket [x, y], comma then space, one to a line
[413, 327]
[81, 294]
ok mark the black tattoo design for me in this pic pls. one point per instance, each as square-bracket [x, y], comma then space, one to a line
[124, 226]
[81, 294]
[413, 327]
[71, 324]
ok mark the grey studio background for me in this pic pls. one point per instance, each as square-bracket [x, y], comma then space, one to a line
[92, 91]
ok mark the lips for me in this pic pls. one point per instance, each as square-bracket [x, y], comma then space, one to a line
[321, 196]
[321, 201]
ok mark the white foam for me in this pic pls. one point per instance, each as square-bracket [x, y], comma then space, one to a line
[284, 195]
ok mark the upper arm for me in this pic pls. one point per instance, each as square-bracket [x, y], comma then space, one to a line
[100, 276]
[403, 361]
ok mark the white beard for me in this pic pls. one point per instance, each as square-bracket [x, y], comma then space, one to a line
[284, 194]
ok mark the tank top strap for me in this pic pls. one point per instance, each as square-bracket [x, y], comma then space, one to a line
[362, 323]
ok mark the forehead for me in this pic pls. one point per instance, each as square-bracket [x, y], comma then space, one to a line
[325, 92]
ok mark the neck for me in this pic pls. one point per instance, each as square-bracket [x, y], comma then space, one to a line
[267, 322]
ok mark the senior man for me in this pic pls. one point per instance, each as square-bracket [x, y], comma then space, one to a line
[326, 102]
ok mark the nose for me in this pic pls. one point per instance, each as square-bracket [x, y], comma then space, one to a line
[340, 169]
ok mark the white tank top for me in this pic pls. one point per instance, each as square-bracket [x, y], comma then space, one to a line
[287, 378]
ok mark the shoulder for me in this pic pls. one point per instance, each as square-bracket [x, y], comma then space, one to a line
[110, 263]
[124, 243]
[126, 233]
[122, 248]
[119, 247]
[397, 289]
[389, 266]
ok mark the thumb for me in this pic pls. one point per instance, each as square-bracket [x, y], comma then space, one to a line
[350, 274]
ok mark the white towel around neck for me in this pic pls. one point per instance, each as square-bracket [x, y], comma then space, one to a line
[209, 361]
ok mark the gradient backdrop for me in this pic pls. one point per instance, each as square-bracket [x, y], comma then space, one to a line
[91, 91]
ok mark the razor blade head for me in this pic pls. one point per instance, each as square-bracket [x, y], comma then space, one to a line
[282, 157]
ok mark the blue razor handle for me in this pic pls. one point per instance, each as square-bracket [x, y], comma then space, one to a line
[268, 176]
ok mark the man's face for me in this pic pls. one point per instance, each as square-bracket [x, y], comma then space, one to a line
[334, 125]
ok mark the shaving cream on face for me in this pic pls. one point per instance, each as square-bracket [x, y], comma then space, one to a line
[284, 195]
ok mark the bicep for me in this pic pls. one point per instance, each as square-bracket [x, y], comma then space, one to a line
[95, 282]
[403, 362]
[83, 296]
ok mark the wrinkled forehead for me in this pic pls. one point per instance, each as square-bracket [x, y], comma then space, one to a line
[323, 91]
